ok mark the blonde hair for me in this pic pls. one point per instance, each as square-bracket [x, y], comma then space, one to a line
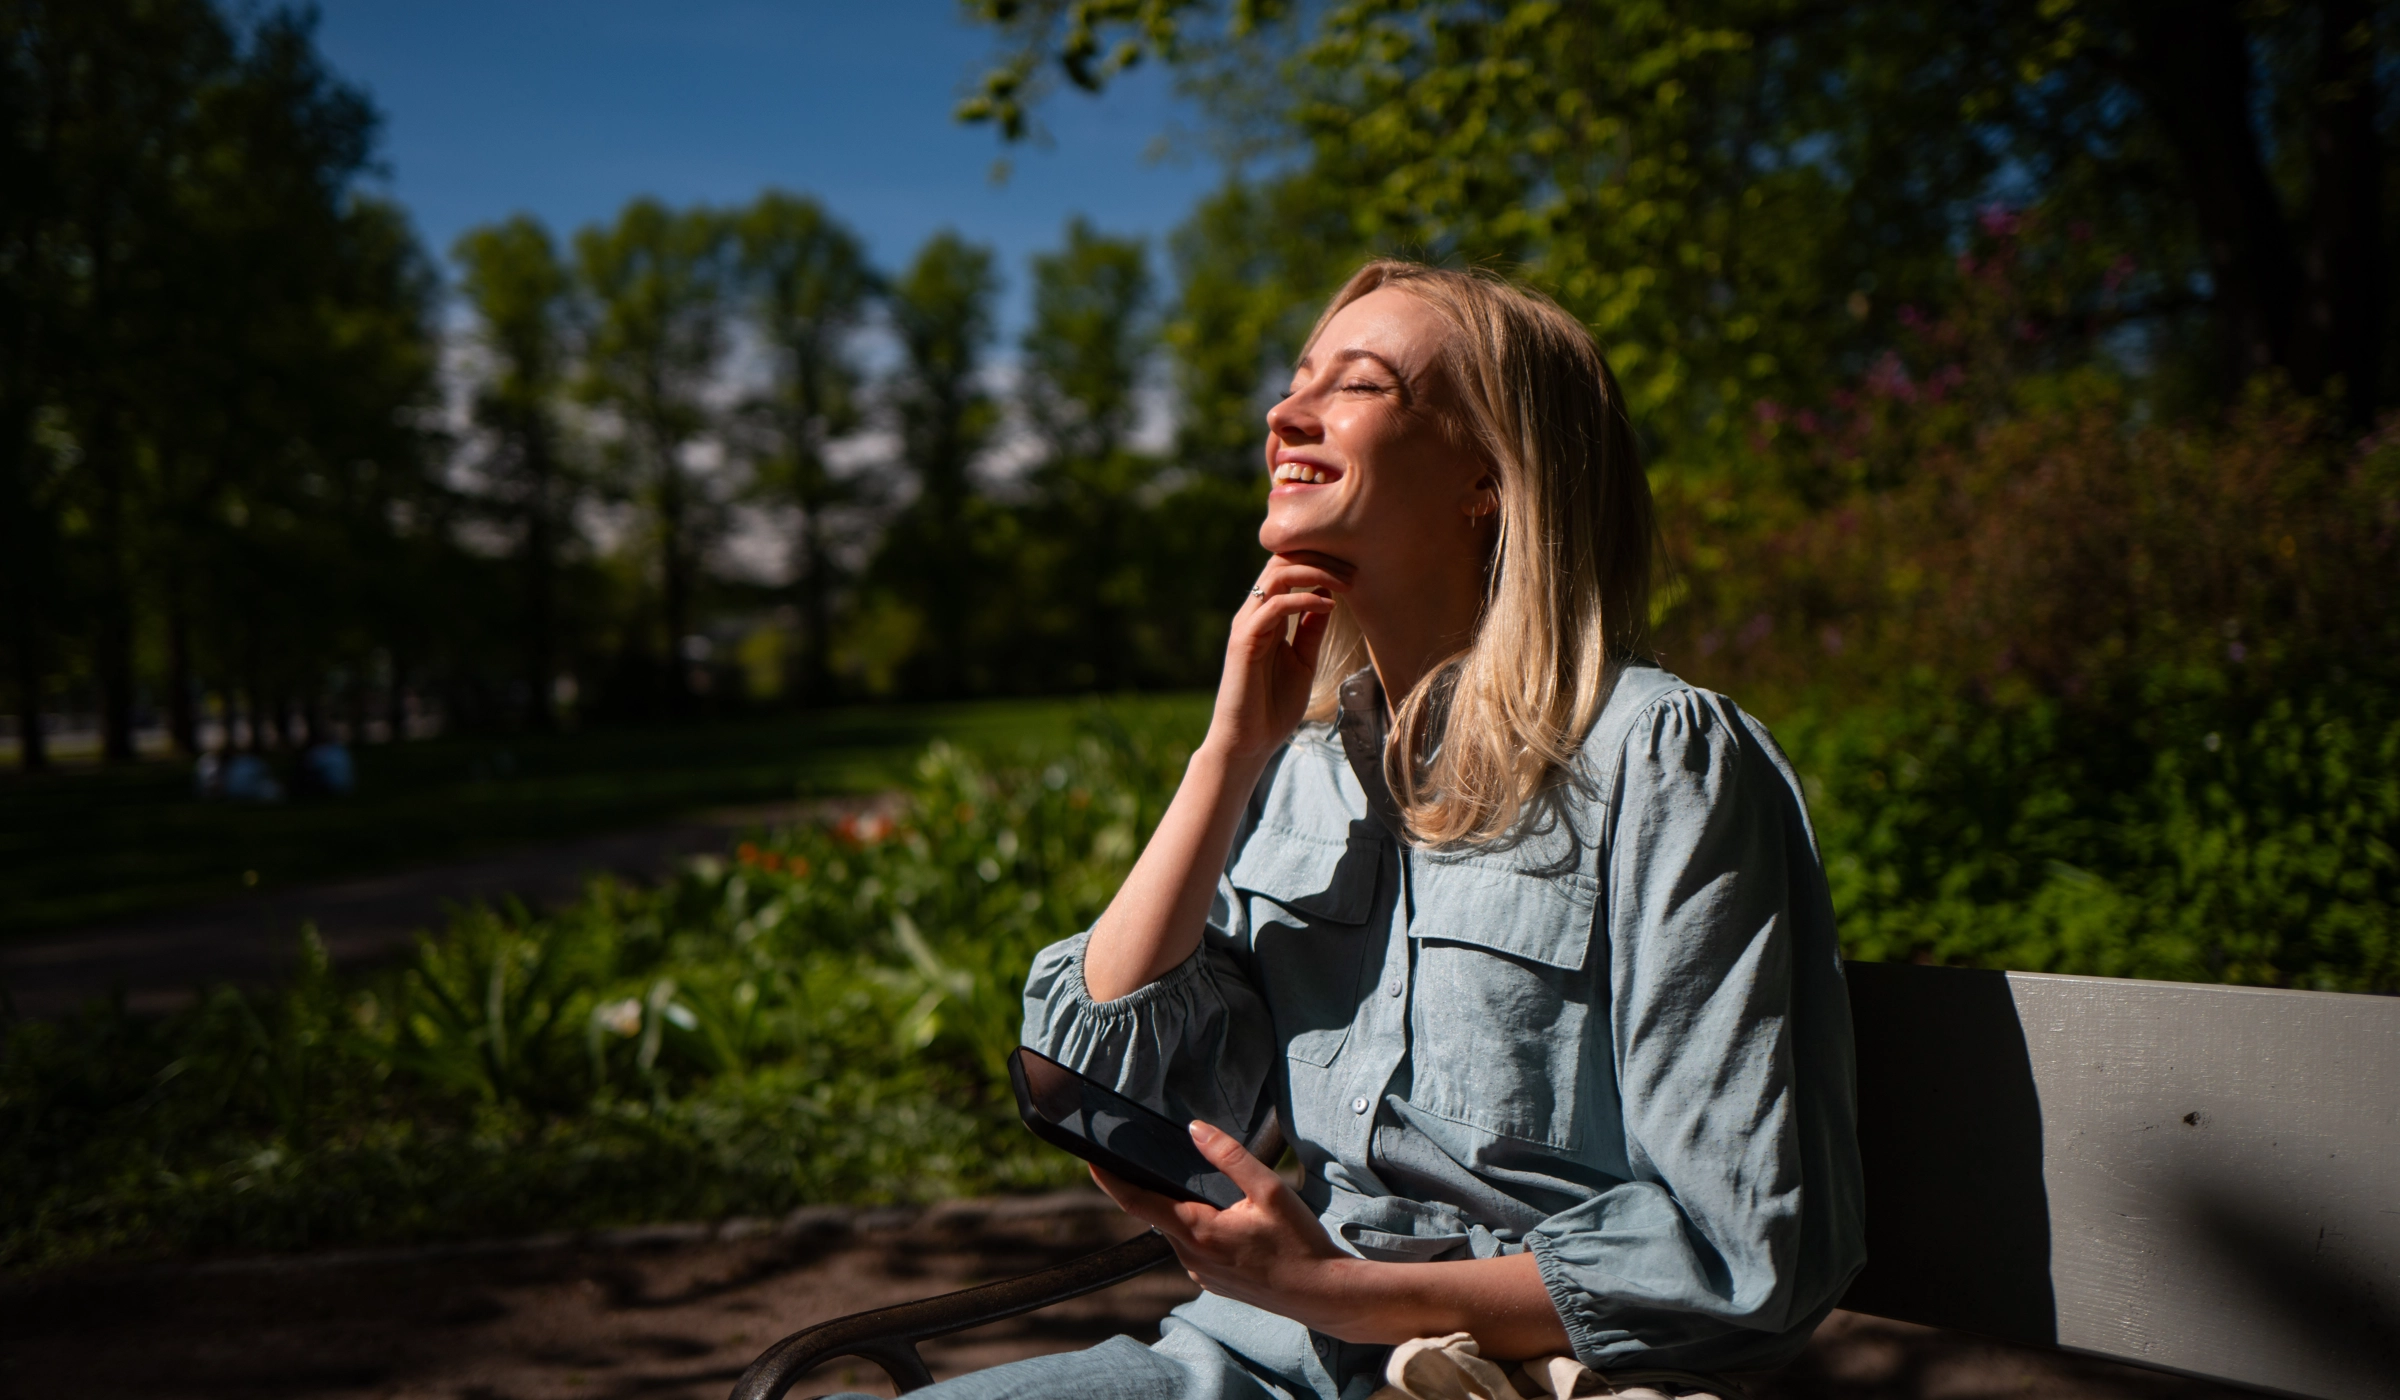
[1495, 726]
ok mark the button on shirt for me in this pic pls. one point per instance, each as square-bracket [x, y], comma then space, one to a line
[1619, 1040]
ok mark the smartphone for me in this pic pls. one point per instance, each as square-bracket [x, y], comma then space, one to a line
[1102, 1126]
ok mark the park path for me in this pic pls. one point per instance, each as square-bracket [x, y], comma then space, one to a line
[160, 959]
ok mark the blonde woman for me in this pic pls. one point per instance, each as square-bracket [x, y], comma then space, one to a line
[1522, 943]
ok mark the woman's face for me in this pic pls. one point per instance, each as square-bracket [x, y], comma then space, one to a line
[1365, 469]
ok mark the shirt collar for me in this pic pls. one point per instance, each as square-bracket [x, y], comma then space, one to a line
[1365, 726]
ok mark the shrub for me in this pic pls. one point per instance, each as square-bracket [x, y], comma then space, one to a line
[820, 1018]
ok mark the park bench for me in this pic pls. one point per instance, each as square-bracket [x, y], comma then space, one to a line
[2200, 1180]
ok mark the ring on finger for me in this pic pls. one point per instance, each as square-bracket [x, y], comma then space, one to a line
[1257, 592]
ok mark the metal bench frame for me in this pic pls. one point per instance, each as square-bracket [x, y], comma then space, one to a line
[2200, 1180]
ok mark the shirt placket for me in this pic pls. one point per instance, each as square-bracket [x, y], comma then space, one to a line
[1383, 1020]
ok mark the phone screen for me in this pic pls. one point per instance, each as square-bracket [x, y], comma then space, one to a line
[1100, 1125]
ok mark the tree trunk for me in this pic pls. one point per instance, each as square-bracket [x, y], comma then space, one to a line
[674, 575]
[2193, 71]
[949, 566]
[2344, 311]
[23, 535]
[183, 718]
[395, 702]
[541, 548]
[816, 601]
[33, 746]
[254, 697]
[113, 636]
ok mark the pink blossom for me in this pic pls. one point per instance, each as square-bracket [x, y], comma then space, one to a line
[1888, 378]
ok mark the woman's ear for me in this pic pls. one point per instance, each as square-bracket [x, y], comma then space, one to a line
[1483, 502]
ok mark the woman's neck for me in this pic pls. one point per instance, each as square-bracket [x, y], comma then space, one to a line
[1413, 625]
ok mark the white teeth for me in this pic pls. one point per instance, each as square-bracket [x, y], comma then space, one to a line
[1295, 471]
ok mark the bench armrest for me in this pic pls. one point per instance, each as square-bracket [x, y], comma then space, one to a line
[889, 1336]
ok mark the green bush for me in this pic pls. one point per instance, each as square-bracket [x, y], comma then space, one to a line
[822, 1015]
[2192, 842]
[820, 1018]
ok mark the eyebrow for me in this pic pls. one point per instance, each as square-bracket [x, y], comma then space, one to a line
[1355, 353]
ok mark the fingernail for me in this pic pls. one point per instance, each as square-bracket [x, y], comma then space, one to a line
[1201, 1132]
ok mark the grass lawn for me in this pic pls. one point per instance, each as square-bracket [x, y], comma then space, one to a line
[89, 844]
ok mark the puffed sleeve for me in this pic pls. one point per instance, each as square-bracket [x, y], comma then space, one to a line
[1742, 1221]
[1196, 1043]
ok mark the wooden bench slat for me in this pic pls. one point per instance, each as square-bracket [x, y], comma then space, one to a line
[2198, 1179]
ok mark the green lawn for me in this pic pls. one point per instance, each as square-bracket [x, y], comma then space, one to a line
[89, 844]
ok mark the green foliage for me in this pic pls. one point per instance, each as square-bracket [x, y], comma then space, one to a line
[511, 274]
[1253, 263]
[2194, 848]
[809, 286]
[1090, 342]
[2076, 689]
[936, 555]
[218, 357]
[1088, 541]
[820, 1018]
[656, 280]
[84, 846]
[523, 296]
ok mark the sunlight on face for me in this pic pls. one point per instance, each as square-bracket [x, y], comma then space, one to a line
[1364, 465]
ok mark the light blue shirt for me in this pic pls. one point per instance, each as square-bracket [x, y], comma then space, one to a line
[1620, 1040]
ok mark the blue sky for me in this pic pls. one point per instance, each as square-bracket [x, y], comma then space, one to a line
[567, 110]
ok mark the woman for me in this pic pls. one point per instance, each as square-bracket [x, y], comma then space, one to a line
[1522, 942]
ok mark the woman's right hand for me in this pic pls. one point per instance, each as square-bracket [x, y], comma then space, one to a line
[1267, 677]
[1154, 922]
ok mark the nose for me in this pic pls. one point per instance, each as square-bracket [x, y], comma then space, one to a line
[1291, 421]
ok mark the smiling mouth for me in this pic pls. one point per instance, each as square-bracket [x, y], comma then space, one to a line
[1304, 474]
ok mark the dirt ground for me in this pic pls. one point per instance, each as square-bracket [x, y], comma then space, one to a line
[674, 1312]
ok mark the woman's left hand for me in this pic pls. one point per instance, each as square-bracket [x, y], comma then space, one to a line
[1269, 1251]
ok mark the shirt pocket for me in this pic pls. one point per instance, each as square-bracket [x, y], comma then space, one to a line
[1309, 899]
[1503, 1002]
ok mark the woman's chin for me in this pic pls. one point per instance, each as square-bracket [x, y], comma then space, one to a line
[1284, 536]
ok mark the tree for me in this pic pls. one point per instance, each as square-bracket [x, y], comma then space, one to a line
[808, 286]
[522, 295]
[290, 349]
[1252, 264]
[657, 282]
[1089, 343]
[102, 101]
[2287, 211]
[210, 349]
[942, 309]
[1742, 195]
[1085, 354]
